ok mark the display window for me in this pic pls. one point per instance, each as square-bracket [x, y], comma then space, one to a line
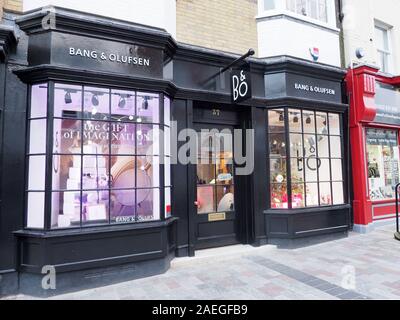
[305, 158]
[383, 163]
[106, 157]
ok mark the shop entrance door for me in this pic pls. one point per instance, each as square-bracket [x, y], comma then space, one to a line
[215, 217]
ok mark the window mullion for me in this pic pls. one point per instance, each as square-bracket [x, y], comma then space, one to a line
[288, 169]
[49, 156]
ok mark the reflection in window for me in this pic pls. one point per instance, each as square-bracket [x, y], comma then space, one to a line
[383, 163]
[316, 9]
[106, 157]
[316, 160]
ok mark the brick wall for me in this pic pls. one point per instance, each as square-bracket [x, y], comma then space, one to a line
[227, 25]
[12, 5]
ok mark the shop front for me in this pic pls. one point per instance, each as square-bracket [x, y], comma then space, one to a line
[109, 177]
[374, 134]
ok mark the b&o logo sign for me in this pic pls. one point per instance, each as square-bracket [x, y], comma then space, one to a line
[241, 85]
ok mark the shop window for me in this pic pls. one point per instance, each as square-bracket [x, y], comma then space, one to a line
[383, 163]
[106, 157]
[306, 159]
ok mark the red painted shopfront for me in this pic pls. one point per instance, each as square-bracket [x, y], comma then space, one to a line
[374, 141]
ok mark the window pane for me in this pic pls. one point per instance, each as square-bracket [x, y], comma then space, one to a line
[334, 124]
[298, 197]
[35, 210]
[206, 199]
[323, 146]
[147, 136]
[336, 147]
[168, 212]
[96, 135]
[312, 194]
[148, 205]
[277, 144]
[310, 145]
[279, 198]
[337, 171]
[123, 105]
[65, 209]
[269, 4]
[97, 103]
[296, 145]
[278, 170]
[147, 107]
[311, 166]
[123, 206]
[37, 173]
[338, 196]
[67, 136]
[224, 145]
[224, 171]
[167, 141]
[39, 101]
[205, 173]
[123, 138]
[94, 172]
[167, 111]
[294, 120]
[322, 123]
[167, 171]
[67, 101]
[325, 194]
[225, 199]
[148, 172]
[123, 172]
[324, 171]
[323, 11]
[37, 136]
[276, 120]
[67, 172]
[309, 121]
[297, 167]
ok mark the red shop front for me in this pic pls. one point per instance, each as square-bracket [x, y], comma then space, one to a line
[374, 137]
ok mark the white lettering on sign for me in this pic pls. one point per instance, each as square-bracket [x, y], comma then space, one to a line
[240, 86]
[113, 57]
[310, 88]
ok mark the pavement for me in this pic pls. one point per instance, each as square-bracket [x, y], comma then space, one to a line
[360, 266]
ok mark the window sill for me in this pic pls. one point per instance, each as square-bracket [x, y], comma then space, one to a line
[273, 14]
[305, 210]
[94, 230]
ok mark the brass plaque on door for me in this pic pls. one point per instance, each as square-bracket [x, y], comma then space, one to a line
[220, 216]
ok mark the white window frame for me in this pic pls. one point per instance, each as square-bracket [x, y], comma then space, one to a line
[387, 53]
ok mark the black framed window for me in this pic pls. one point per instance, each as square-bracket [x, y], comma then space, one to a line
[97, 156]
[305, 158]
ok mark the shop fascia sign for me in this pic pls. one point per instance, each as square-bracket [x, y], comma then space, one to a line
[314, 89]
[111, 57]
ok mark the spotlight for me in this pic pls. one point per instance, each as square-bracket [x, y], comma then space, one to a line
[308, 120]
[122, 102]
[145, 103]
[67, 97]
[95, 100]
[295, 119]
[281, 117]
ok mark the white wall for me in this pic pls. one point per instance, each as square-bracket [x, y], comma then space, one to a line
[358, 28]
[285, 37]
[157, 13]
[282, 32]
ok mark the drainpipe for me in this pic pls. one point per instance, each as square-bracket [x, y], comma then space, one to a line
[340, 17]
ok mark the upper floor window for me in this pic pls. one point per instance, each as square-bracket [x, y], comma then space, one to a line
[316, 9]
[269, 4]
[383, 47]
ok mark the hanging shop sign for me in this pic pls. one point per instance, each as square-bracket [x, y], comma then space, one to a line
[387, 101]
[95, 54]
[241, 85]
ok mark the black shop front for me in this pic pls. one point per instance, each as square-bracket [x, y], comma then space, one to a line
[100, 179]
